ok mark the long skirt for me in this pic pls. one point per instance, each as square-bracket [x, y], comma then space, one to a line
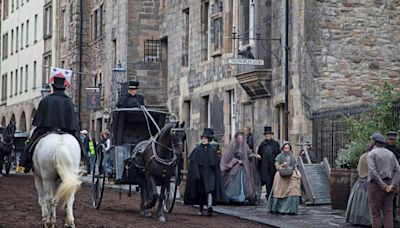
[357, 212]
[235, 190]
[287, 205]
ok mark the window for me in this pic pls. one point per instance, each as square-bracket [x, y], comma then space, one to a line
[101, 22]
[62, 24]
[16, 82]
[152, 50]
[46, 63]
[16, 40]
[5, 9]
[71, 11]
[217, 33]
[21, 79]
[12, 6]
[26, 77]
[5, 46]
[27, 33]
[246, 26]
[22, 36]
[206, 111]
[36, 28]
[185, 38]
[4, 88]
[232, 110]
[11, 83]
[12, 41]
[17, 4]
[34, 74]
[47, 26]
[187, 112]
[204, 30]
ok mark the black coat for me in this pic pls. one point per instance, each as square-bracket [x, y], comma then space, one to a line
[129, 101]
[249, 140]
[56, 111]
[204, 176]
[268, 150]
[395, 149]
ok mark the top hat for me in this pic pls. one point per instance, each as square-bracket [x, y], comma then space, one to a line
[378, 137]
[133, 85]
[208, 133]
[392, 135]
[59, 81]
[268, 130]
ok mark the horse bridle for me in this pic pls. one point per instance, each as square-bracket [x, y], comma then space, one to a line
[167, 162]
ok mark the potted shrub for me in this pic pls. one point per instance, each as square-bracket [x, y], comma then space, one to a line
[379, 118]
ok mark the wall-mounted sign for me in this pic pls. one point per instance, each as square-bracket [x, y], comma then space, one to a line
[93, 96]
[258, 62]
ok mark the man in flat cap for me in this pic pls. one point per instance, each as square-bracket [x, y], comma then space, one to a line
[383, 178]
[132, 99]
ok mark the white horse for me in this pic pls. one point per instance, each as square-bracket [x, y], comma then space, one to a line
[57, 156]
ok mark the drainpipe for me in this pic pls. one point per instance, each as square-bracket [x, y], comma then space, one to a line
[80, 61]
[287, 71]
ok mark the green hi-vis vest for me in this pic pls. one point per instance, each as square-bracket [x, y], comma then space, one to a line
[91, 148]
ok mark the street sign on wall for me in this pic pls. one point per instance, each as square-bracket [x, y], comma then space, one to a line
[258, 62]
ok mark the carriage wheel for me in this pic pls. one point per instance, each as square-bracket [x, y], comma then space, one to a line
[170, 192]
[99, 177]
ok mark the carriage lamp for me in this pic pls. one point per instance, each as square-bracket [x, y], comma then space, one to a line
[45, 90]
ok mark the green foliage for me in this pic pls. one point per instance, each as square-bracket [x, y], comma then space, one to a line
[359, 129]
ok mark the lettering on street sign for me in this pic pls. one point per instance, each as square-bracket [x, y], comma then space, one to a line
[259, 62]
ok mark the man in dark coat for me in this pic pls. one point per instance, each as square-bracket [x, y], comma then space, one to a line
[55, 111]
[392, 146]
[204, 185]
[249, 137]
[132, 99]
[268, 150]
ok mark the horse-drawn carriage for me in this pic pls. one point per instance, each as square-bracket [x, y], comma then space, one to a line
[145, 151]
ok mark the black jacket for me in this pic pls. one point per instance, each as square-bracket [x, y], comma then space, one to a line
[395, 149]
[56, 111]
[249, 140]
[268, 150]
[129, 101]
[204, 176]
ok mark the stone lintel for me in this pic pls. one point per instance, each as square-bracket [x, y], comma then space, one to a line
[256, 83]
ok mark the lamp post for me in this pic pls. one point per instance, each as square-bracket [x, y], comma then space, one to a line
[119, 77]
[45, 90]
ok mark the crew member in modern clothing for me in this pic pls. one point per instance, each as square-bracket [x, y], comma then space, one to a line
[132, 99]
[383, 178]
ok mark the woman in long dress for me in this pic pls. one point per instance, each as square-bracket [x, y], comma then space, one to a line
[357, 212]
[239, 173]
[285, 195]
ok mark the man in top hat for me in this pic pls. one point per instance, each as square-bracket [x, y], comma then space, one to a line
[268, 150]
[55, 111]
[383, 178]
[132, 99]
[203, 184]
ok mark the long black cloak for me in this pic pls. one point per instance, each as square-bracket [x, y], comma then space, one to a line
[129, 101]
[268, 150]
[204, 176]
[56, 111]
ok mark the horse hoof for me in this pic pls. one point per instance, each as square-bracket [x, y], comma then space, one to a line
[145, 214]
[69, 225]
[161, 219]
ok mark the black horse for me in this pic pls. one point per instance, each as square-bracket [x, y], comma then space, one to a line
[7, 143]
[154, 164]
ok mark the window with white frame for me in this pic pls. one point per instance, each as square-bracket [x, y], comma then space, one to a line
[47, 21]
[26, 77]
[22, 36]
[5, 9]
[247, 22]
[4, 87]
[5, 46]
[16, 39]
[11, 83]
[12, 42]
[27, 34]
[34, 74]
[21, 77]
[35, 32]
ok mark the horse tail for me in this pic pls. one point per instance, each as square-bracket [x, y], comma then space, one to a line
[70, 180]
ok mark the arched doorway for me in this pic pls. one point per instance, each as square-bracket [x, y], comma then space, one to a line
[3, 121]
[12, 118]
[22, 122]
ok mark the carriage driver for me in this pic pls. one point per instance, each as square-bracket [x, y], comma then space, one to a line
[132, 99]
[55, 111]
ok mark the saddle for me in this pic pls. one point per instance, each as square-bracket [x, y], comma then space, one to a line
[135, 163]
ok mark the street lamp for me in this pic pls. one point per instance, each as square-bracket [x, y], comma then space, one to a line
[119, 77]
[45, 90]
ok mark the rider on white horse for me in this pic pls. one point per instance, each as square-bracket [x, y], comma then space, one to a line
[55, 111]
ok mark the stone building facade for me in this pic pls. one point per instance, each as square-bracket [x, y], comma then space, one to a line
[337, 49]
